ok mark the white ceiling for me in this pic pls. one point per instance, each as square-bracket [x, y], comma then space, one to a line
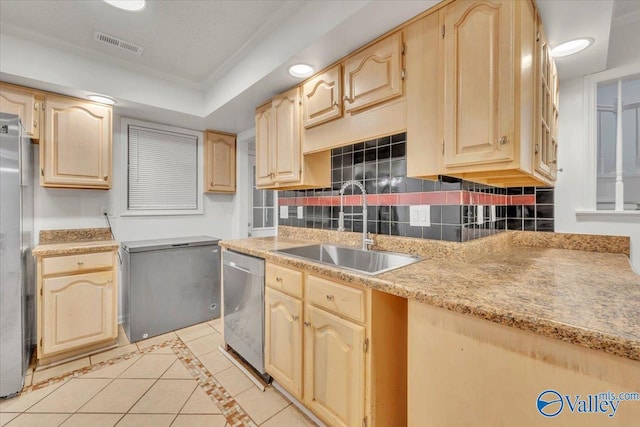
[208, 63]
[186, 41]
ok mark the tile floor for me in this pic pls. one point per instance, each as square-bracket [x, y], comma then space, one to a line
[177, 379]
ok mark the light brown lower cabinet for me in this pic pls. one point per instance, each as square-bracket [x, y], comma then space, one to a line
[334, 368]
[283, 349]
[344, 355]
[77, 305]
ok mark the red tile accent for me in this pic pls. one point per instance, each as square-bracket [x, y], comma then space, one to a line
[372, 199]
[433, 198]
[409, 199]
[453, 197]
[498, 199]
[388, 199]
[466, 197]
[525, 199]
[353, 200]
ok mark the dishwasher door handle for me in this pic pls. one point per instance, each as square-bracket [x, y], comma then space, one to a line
[236, 266]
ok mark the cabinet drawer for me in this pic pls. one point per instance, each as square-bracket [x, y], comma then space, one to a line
[284, 279]
[77, 263]
[344, 300]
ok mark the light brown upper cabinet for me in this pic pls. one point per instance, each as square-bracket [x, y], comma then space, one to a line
[278, 140]
[76, 150]
[374, 75]
[424, 97]
[478, 81]
[285, 111]
[322, 97]
[484, 96]
[220, 162]
[373, 100]
[264, 176]
[546, 146]
[25, 103]
[279, 160]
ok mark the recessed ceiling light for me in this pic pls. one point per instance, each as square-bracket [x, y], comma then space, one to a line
[572, 46]
[301, 70]
[102, 99]
[130, 5]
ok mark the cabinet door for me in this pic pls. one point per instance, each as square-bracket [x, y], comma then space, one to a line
[23, 104]
[374, 75]
[286, 136]
[77, 311]
[334, 385]
[76, 151]
[220, 163]
[478, 70]
[283, 340]
[545, 150]
[322, 98]
[264, 173]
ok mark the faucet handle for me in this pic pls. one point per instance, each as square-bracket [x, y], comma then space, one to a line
[369, 239]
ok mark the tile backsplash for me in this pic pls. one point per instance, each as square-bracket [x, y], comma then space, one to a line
[455, 205]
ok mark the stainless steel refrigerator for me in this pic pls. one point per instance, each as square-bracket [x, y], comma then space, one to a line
[17, 266]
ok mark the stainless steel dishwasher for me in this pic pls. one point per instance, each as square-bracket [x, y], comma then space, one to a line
[243, 290]
[169, 284]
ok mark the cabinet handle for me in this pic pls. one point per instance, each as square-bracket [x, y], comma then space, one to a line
[80, 263]
[503, 140]
[295, 318]
[537, 148]
[35, 123]
[278, 279]
[307, 323]
[329, 297]
[106, 177]
[335, 103]
[347, 99]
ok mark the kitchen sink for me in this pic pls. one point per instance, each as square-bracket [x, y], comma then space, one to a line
[367, 262]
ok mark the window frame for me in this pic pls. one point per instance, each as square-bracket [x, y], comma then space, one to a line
[125, 122]
[591, 128]
[261, 231]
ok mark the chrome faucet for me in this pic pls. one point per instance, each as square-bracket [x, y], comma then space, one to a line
[366, 237]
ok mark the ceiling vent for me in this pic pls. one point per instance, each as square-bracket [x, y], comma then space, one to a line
[116, 42]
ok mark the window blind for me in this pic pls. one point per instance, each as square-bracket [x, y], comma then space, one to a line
[163, 170]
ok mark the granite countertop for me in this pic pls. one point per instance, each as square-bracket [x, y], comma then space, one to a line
[578, 296]
[74, 241]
